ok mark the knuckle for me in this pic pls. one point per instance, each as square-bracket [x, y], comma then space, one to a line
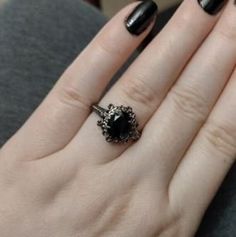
[221, 137]
[172, 227]
[138, 92]
[189, 102]
[13, 174]
[227, 33]
[227, 28]
[106, 44]
[69, 96]
[184, 22]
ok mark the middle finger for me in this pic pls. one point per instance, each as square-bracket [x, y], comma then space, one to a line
[190, 101]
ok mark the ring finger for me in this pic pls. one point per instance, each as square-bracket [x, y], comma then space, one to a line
[147, 81]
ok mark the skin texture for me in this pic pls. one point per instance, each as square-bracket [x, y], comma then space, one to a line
[59, 178]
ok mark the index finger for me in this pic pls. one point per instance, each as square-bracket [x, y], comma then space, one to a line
[66, 107]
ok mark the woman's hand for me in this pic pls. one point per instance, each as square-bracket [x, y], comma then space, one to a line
[60, 178]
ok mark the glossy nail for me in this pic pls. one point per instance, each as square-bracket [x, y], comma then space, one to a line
[141, 17]
[212, 6]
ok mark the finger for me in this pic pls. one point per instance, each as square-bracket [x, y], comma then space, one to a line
[171, 130]
[147, 81]
[210, 157]
[64, 110]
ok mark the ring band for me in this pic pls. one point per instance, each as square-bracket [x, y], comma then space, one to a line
[118, 123]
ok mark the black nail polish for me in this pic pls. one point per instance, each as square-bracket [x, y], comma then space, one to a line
[141, 17]
[212, 6]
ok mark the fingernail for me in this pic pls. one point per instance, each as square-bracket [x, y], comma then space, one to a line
[212, 6]
[141, 17]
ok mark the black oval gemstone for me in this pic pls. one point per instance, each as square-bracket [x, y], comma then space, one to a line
[119, 126]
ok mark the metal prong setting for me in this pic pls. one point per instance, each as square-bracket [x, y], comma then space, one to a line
[99, 111]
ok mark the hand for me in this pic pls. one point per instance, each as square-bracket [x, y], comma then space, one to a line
[60, 178]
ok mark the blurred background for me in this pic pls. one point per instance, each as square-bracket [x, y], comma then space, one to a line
[110, 7]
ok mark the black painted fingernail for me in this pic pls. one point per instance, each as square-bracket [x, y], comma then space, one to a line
[212, 6]
[141, 17]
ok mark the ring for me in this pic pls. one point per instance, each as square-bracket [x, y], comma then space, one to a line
[118, 124]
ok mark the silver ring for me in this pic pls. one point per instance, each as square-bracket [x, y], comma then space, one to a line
[118, 123]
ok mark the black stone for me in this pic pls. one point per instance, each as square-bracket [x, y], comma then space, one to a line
[119, 126]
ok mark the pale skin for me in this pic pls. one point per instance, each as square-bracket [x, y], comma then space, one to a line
[60, 178]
